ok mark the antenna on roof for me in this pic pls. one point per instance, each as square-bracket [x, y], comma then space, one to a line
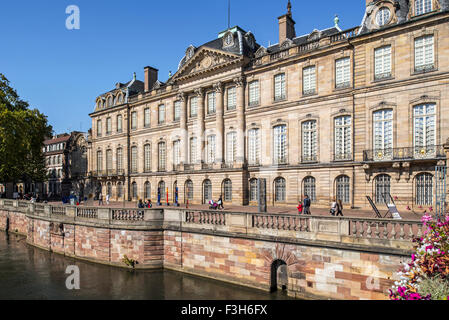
[229, 14]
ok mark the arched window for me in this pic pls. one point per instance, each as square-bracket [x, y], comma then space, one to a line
[227, 190]
[189, 190]
[119, 190]
[382, 188]
[342, 189]
[383, 16]
[109, 189]
[309, 185]
[134, 190]
[110, 102]
[147, 188]
[207, 191]
[253, 190]
[162, 190]
[279, 190]
[424, 189]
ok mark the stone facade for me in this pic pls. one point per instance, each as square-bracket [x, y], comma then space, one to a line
[270, 88]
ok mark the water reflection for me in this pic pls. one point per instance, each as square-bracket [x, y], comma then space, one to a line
[30, 273]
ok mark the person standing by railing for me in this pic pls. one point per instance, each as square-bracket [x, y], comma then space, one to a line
[334, 206]
[339, 208]
[307, 204]
[300, 207]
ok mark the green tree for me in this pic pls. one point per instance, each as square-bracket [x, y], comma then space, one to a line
[22, 133]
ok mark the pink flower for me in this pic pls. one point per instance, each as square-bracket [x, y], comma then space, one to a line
[426, 218]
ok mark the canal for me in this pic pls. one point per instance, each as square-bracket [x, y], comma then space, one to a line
[33, 274]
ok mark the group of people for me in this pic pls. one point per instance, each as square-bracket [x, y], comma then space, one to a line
[147, 204]
[335, 210]
[100, 199]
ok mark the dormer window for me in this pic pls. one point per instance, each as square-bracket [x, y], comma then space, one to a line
[423, 6]
[383, 16]
[228, 40]
[190, 52]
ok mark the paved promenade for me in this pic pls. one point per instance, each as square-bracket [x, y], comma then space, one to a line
[406, 215]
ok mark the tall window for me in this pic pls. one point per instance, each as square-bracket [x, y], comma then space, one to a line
[424, 126]
[193, 151]
[109, 189]
[343, 73]
[231, 146]
[309, 80]
[227, 190]
[383, 133]
[253, 190]
[211, 103]
[176, 152]
[133, 120]
[207, 191]
[424, 189]
[161, 113]
[309, 185]
[254, 93]
[280, 144]
[147, 188]
[163, 191]
[189, 189]
[147, 158]
[99, 128]
[134, 190]
[423, 6]
[108, 125]
[343, 138]
[424, 53]
[177, 111]
[119, 190]
[108, 160]
[382, 62]
[110, 102]
[210, 150]
[280, 89]
[119, 159]
[232, 98]
[133, 159]
[119, 123]
[342, 189]
[279, 190]
[99, 161]
[147, 117]
[382, 188]
[254, 147]
[309, 141]
[193, 107]
[162, 156]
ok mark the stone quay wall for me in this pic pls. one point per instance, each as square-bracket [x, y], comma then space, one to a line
[311, 257]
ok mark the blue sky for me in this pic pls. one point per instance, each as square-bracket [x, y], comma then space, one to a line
[61, 72]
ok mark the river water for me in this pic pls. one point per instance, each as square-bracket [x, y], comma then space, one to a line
[34, 274]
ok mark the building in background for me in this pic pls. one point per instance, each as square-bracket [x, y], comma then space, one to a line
[66, 163]
[333, 113]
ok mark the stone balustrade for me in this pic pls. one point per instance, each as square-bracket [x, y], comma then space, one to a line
[374, 234]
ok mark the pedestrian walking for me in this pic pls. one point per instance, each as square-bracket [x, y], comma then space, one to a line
[339, 208]
[307, 204]
[300, 207]
[220, 202]
[100, 200]
[107, 198]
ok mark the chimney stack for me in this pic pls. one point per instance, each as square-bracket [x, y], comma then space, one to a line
[150, 77]
[287, 25]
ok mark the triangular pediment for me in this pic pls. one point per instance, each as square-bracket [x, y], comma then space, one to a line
[206, 60]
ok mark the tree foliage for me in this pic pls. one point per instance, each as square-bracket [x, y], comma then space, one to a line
[22, 133]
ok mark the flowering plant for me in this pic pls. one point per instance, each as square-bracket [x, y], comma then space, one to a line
[426, 277]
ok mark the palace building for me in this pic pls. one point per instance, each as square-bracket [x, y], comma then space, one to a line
[333, 113]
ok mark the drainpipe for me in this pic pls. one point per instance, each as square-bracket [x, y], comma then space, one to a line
[353, 124]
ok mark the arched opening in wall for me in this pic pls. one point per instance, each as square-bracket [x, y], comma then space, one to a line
[188, 191]
[279, 275]
[207, 191]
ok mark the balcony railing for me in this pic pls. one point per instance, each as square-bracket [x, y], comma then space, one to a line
[343, 157]
[309, 158]
[413, 153]
[108, 173]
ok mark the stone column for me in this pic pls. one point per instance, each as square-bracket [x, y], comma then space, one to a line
[240, 84]
[219, 122]
[200, 125]
[183, 127]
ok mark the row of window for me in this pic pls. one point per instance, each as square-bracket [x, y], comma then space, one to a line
[421, 7]
[54, 147]
[111, 101]
[424, 135]
[54, 160]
